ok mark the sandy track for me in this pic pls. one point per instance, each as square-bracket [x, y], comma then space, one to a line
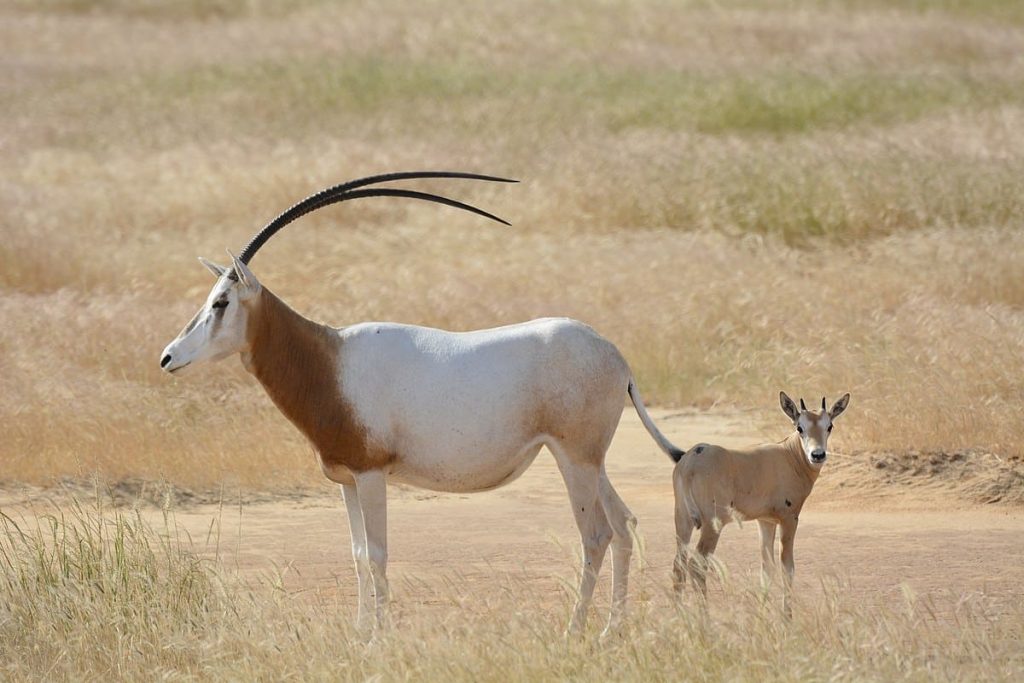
[447, 547]
[444, 548]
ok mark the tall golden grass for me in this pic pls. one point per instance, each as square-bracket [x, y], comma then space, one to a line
[87, 592]
[744, 196]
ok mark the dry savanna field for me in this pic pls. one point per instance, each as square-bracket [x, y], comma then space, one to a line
[744, 195]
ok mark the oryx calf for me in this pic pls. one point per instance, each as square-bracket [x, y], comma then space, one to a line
[448, 411]
[715, 485]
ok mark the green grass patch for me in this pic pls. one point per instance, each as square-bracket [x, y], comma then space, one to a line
[297, 97]
[789, 102]
[797, 194]
[169, 9]
[980, 10]
[983, 10]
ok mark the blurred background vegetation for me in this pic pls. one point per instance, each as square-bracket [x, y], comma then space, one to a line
[744, 195]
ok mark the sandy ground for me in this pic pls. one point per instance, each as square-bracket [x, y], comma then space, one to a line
[446, 549]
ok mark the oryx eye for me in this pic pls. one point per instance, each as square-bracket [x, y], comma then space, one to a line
[223, 303]
[800, 429]
[830, 428]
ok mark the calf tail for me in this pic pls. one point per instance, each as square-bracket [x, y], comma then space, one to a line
[652, 428]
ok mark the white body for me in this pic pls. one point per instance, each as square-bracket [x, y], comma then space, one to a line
[457, 406]
[449, 411]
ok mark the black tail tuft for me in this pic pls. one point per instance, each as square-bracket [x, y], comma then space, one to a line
[676, 454]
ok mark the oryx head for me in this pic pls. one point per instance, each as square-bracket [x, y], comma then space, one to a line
[219, 328]
[813, 427]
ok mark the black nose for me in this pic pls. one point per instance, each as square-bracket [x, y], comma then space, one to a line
[165, 361]
[818, 455]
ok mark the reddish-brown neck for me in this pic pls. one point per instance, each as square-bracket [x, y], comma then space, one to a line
[298, 363]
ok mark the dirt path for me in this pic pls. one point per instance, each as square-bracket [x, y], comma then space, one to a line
[447, 547]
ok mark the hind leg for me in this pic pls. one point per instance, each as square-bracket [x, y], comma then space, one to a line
[581, 481]
[684, 530]
[623, 526]
[710, 531]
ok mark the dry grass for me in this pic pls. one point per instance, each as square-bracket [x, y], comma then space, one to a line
[92, 594]
[744, 196]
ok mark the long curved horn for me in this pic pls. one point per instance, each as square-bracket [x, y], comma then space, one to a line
[344, 191]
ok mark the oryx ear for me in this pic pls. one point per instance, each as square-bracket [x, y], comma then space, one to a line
[839, 406]
[788, 407]
[213, 267]
[245, 276]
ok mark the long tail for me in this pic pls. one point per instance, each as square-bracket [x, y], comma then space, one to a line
[652, 429]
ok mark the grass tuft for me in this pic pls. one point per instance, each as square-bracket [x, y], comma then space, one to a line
[90, 592]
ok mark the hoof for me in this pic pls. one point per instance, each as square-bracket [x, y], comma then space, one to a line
[613, 631]
[573, 632]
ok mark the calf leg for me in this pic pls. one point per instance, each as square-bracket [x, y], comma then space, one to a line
[767, 530]
[360, 555]
[373, 500]
[710, 532]
[684, 530]
[788, 537]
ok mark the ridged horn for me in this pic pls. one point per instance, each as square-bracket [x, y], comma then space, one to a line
[349, 190]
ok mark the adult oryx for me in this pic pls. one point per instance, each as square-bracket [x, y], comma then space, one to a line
[448, 411]
[770, 483]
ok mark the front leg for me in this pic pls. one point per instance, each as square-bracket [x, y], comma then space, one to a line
[767, 529]
[788, 536]
[360, 555]
[372, 489]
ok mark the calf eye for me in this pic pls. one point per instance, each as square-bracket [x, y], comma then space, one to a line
[830, 428]
[223, 303]
[800, 429]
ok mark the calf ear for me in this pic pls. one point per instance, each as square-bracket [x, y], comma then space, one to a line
[839, 406]
[788, 407]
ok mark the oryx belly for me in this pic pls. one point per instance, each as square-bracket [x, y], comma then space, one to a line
[468, 411]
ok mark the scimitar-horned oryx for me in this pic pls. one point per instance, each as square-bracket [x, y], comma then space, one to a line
[448, 411]
[770, 483]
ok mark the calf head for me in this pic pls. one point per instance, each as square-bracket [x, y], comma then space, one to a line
[813, 427]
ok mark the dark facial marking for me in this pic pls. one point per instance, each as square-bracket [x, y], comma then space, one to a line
[700, 449]
[218, 307]
[191, 324]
